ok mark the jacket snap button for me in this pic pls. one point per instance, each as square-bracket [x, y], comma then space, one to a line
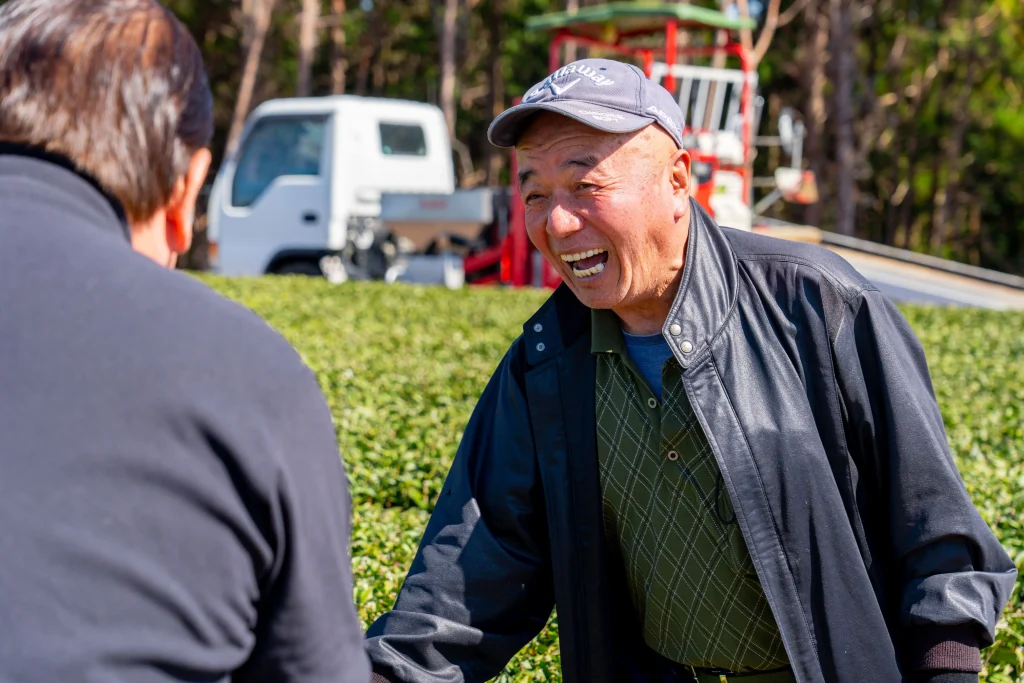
[675, 330]
[538, 328]
[541, 347]
[652, 403]
[686, 347]
[673, 456]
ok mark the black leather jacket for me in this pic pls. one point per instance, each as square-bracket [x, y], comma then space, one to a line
[817, 401]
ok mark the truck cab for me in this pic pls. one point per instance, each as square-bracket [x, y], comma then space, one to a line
[306, 180]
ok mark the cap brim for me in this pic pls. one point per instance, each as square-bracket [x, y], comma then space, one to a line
[505, 130]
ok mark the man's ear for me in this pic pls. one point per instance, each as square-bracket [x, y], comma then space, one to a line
[681, 182]
[182, 209]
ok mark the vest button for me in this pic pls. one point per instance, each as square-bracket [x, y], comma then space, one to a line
[541, 347]
[652, 403]
[673, 456]
[538, 328]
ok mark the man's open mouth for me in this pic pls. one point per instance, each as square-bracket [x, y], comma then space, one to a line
[587, 263]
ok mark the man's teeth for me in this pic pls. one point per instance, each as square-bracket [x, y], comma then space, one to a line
[572, 258]
[589, 271]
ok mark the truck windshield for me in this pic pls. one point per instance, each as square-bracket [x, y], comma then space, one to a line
[277, 146]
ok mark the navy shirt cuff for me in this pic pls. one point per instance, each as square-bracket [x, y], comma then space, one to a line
[946, 649]
[946, 677]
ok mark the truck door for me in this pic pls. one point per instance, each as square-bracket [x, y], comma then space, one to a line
[275, 194]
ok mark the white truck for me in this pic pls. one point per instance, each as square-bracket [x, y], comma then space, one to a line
[343, 186]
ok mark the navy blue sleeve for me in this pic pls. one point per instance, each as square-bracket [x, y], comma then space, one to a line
[480, 587]
[952, 576]
[308, 628]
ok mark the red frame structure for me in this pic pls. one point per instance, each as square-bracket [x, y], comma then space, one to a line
[515, 256]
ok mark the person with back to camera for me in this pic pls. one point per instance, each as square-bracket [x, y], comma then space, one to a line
[173, 506]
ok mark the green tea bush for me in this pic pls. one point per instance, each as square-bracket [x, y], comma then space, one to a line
[403, 366]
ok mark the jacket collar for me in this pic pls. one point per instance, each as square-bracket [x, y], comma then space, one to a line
[706, 298]
[56, 175]
[707, 293]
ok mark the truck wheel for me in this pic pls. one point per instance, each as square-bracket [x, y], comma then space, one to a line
[299, 268]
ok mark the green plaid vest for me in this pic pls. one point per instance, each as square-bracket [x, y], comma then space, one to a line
[667, 511]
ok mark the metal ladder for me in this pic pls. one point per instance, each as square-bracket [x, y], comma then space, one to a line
[710, 97]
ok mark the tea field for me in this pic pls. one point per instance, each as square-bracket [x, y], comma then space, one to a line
[402, 367]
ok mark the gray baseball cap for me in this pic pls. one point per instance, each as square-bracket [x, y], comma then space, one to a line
[602, 93]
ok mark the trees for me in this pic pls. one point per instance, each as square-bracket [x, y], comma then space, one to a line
[255, 17]
[309, 27]
[843, 75]
[911, 127]
[339, 58]
[913, 108]
[450, 15]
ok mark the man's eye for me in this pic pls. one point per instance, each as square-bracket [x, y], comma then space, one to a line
[584, 186]
[530, 198]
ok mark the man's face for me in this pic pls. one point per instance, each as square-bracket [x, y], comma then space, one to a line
[609, 211]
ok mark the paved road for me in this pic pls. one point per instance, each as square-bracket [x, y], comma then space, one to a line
[904, 295]
[912, 283]
[907, 280]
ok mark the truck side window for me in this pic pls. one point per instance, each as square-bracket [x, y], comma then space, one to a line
[286, 146]
[398, 139]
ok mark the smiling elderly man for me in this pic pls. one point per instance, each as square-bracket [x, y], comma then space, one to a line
[719, 454]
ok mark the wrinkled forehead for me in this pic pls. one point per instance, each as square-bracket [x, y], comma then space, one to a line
[570, 150]
[549, 132]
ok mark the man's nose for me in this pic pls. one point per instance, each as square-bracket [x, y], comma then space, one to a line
[563, 220]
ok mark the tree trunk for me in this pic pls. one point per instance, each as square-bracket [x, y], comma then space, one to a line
[916, 146]
[451, 9]
[760, 49]
[308, 39]
[746, 35]
[339, 61]
[936, 187]
[948, 205]
[496, 26]
[843, 76]
[898, 194]
[906, 220]
[926, 83]
[369, 47]
[814, 84]
[256, 15]
[939, 92]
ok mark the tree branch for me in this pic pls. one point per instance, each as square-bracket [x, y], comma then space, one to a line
[746, 35]
[771, 22]
[791, 13]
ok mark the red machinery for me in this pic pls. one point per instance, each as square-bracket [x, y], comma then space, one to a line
[718, 105]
